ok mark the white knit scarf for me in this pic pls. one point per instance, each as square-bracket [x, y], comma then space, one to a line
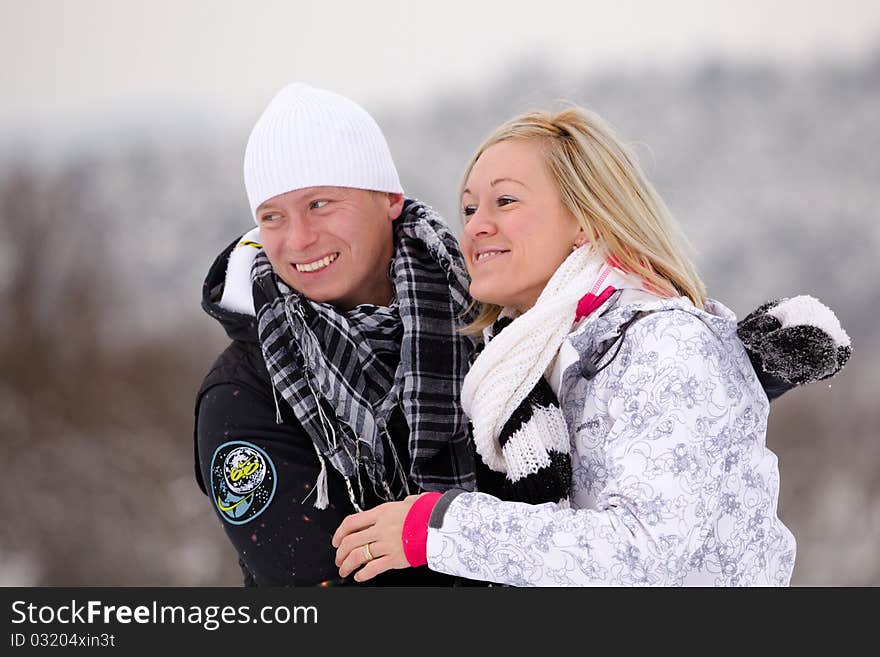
[511, 364]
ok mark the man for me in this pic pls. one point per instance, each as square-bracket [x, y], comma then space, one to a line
[340, 389]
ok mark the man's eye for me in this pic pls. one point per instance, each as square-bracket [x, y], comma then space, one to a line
[506, 200]
[268, 218]
[316, 205]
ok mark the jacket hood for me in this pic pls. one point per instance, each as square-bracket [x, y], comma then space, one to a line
[238, 323]
[588, 343]
[607, 326]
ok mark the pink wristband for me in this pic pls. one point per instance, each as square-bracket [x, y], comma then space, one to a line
[415, 529]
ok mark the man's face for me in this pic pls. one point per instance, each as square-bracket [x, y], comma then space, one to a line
[332, 244]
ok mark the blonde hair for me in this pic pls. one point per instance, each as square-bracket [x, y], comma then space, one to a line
[602, 185]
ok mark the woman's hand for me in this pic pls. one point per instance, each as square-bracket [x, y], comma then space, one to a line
[381, 528]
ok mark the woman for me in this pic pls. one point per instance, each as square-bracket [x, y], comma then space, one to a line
[620, 425]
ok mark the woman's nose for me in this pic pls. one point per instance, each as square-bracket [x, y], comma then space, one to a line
[479, 224]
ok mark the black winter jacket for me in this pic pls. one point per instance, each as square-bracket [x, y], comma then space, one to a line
[288, 541]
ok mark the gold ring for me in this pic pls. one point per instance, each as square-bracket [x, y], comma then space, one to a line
[367, 554]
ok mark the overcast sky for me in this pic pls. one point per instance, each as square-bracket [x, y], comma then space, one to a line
[70, 64]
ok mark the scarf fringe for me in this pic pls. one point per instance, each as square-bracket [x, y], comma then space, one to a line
[322, 499]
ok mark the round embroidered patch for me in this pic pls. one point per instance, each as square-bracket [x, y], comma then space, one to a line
[242, 481]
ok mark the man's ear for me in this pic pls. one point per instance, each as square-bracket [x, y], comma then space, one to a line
[395, 205]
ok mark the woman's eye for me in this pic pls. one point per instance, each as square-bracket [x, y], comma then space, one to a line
[316, 205]
[506, 200]
[468, 210]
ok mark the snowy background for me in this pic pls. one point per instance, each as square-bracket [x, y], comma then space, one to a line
[122, 130]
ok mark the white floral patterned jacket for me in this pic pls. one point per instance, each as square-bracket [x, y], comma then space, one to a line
[672, 482]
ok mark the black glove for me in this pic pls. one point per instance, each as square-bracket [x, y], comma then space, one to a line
[794, 341]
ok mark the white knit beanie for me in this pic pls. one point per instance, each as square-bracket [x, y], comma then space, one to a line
[310, 137]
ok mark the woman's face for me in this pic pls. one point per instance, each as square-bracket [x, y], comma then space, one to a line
[517, 231]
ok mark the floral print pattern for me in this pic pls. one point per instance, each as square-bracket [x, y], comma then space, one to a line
[672, 482]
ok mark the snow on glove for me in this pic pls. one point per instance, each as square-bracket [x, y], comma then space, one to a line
[794, 341]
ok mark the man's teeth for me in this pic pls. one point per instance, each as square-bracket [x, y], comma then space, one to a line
[317, 264]
[486, 254]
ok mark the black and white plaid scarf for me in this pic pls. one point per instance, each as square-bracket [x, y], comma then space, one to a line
[344, 372]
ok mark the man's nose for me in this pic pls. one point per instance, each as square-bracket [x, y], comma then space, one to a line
[301, 234]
